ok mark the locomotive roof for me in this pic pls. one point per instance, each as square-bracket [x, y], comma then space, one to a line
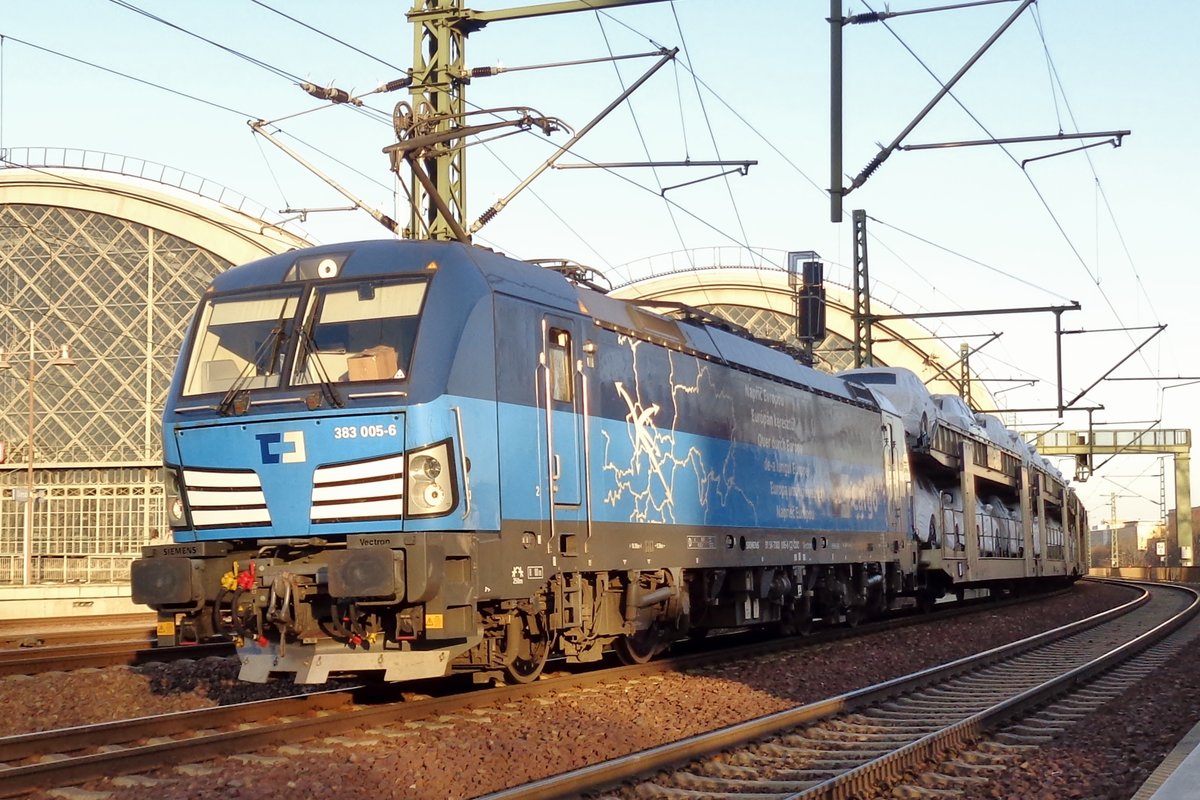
[375, 257]
[714, 343]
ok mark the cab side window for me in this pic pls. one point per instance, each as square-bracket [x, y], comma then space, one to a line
[559, 362]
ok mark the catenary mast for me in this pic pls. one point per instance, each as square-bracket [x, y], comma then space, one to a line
[434, 119]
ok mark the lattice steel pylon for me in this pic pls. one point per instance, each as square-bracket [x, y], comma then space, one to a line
[118, 292]
[863, 356]
[436, 109]
[438, 98]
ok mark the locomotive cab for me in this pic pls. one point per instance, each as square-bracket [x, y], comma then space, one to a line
[317, 485]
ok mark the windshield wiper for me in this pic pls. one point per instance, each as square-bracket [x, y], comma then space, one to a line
[310, 360]
[273, 346]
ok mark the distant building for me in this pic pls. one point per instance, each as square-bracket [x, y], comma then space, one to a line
[107, 256]
[1115, 547]
[750, 288]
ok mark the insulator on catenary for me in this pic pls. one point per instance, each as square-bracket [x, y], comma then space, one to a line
[869, 170]
[391, 86]
[487, 216]
[485, 72]
[862, 19]
[330, 93]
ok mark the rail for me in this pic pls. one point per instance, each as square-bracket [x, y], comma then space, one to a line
[205, 733]
[885, 702]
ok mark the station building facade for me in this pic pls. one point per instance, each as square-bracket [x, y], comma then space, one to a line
[107, 256]
[751, 289]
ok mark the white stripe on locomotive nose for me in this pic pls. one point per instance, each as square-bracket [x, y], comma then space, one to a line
[219, 480]
[203, 518]
[384, 489]
[390, 507]
[201, 498]
[363, 470]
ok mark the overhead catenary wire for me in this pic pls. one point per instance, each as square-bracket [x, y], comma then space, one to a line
[549, 207]
[295, 79]
[240, 113]
[327, 35]
[185, 95]
[1053, 69]
[1054, 218]
[965, 257]
[283, 73]
[712, 135]
[1029, 178]
[641, 136]
[127, 76]
[696, 77]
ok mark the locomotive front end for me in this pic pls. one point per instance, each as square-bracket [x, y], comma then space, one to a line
[309, 496]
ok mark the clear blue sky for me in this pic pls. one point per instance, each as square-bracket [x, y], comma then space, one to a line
[1108, 228]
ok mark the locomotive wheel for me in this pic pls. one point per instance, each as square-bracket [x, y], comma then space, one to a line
[854, 616]
[796, 622]
[533, 650]
[638, 648]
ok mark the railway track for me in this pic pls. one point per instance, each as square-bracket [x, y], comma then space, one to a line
[58, 757]
[31, 661]
[110, 645]
[845, 746]
[30, 633]
[61, 757]
[28, 647]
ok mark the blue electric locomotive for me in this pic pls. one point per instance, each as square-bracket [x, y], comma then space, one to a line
[410, 458]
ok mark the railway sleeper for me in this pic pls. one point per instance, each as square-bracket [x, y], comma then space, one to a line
[801, 751]
[964, 767]
[1009, 737]
[725, 771]
[756, 786]
[943, 780]
[789, 758]
[911, 792]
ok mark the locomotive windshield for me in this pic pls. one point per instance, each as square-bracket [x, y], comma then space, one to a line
[241, 340]
[361, 332]
[350, 332]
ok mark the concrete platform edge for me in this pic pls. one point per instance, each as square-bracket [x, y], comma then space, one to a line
[83, 599]
[1178, 776]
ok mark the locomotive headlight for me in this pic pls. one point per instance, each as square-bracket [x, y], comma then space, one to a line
[177, 516]
[425, 467]
[430, 481]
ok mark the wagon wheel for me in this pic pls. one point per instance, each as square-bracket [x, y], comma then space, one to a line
[854, 616]
[640, 647]
[925, 601]
[532, 648]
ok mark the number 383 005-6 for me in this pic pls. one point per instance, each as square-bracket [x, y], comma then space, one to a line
[364, 431]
